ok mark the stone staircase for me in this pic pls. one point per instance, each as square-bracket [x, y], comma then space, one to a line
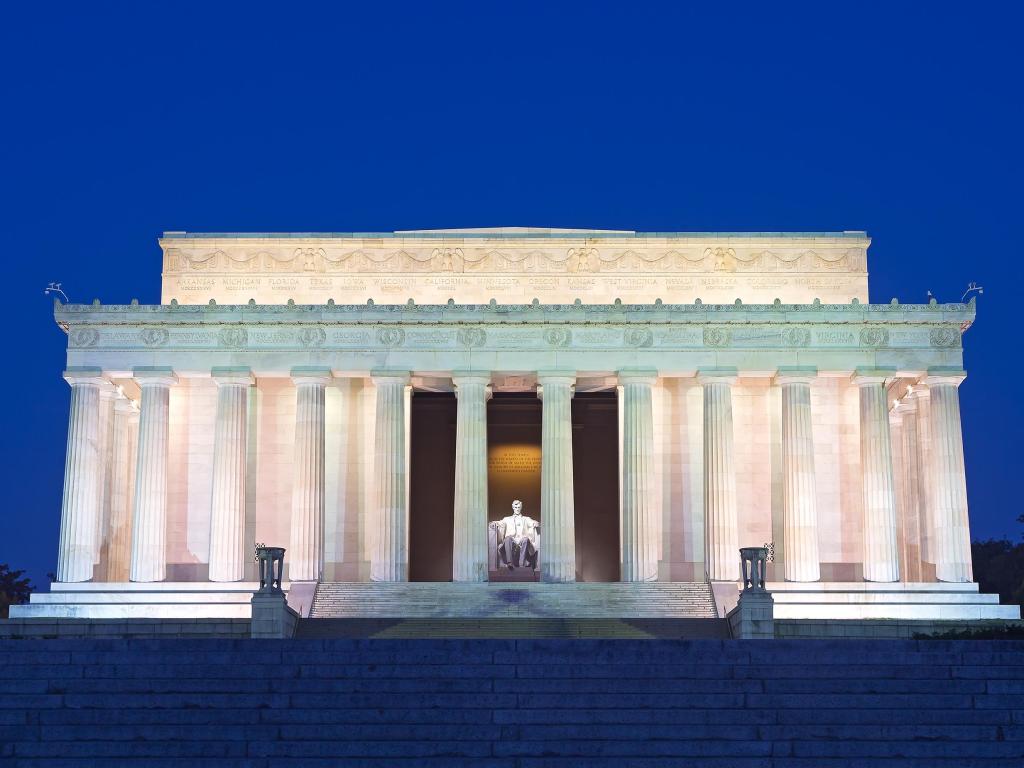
[450, 600]
[511, 703]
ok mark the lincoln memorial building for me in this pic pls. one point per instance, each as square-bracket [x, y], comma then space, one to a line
[375, 402]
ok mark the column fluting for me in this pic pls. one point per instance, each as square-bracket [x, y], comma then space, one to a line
[910, 453]
[722, 557]
[306, 540]
[149, 519]
[469, 550]
[881, 548]
[639, 546]
[122, 455]
[79, 506]
[949, 480]
[799, 489]
[391, 556]
[557, 505]
[227, 504]
[104, 440]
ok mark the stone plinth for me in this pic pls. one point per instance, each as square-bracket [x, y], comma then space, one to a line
[272, 619]
[753, 616]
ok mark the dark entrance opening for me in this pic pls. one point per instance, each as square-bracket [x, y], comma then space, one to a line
[432, 486]
[595, 477]
[514, 458]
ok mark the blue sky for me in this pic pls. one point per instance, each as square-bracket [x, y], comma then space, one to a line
[121, 121]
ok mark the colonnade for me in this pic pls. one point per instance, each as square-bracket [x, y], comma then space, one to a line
[108, 494]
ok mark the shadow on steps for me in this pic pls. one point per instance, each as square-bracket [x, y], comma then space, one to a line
[514, 628]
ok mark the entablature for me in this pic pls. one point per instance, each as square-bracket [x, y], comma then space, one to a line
[670, 338]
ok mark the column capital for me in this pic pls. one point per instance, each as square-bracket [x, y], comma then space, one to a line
[308, 374]
[716, 376]
[557, 376]
[84, 375]
[471, 377]
[795, 375]
[637, 375]
[390, 376]
[864, 377]
[952, 376]
[158, 376]
[227, 375]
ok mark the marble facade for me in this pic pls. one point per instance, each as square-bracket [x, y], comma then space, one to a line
[761, 398]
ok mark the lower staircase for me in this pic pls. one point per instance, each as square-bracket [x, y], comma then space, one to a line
[513, 610]
[511, 703]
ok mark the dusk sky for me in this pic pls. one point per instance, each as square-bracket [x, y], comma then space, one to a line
[121, 121]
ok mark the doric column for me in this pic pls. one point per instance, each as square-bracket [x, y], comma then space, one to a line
[122, 473]
[391, 558]
[104, 439]
[948, 480]
[79, 508]
[639, 546]
[306, 545]
[881, 551]
[799, 490]
[149, 520]
[227, 505]
[469, 553]
[557, 507]
[920, 398]
[910, 523]
[722, 557]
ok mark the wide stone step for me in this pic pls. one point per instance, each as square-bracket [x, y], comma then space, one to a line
[535, 600]
[511, 703]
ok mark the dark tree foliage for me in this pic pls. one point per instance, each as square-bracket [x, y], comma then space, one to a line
[14, 589]
[999, 567]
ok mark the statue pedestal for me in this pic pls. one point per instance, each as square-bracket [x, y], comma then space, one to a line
[753, 617]
[272, 619]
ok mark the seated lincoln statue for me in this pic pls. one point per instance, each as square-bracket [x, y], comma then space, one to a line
[518, 539]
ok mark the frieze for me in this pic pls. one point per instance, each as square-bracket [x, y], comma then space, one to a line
[233, 338]
[597, 337]
[874, 337]
[796, 337]
[348, 337]
[472, 337]
[312, 337]
[638, 337]
[83, 337]
[558, 337]
[835, 338]
[279, 337]
[429, 338]
[154, 337]
[391, 337]
[944, 337]
[716, 337]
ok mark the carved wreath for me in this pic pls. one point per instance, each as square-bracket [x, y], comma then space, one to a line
[391, 337]
[312, 337]
[796, 337]
[944, 337]
[472, 337]
[234, 338]
[154, 337]
[639, 337]
[716, 337]
[874, 337]
[83, 337]
[558, 337]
